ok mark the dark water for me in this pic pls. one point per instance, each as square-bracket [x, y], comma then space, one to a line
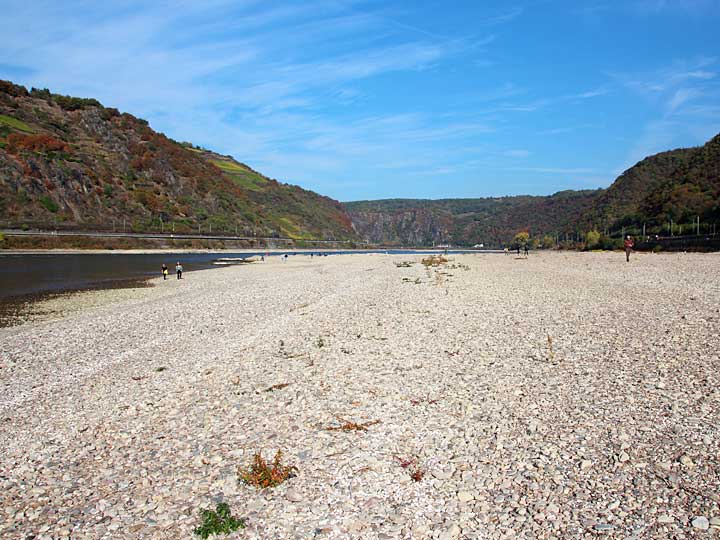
[23, 276]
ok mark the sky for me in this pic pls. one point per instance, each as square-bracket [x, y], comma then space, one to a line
[375, 99]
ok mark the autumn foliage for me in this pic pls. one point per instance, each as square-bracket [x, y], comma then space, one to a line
[36, 143]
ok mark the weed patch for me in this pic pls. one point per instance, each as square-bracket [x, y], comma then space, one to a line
[426, 400]
[262, 474]
[434, 260]
[412, 466]
[347, 425]
[277, 387]
[218, 521]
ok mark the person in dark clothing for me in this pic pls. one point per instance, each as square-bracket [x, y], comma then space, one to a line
[179, 269]
[164, 270]
[526, 250]
[629, 245]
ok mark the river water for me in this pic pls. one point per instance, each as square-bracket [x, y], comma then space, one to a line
[32, 275]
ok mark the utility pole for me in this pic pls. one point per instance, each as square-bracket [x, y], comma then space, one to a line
[643, 230]
[162, 225]
[123, 224]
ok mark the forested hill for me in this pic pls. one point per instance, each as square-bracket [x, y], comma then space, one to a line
[679, 185]
[466, 222]
[72, 162]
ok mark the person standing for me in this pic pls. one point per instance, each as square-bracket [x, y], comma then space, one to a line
[179, 269]
[629, 245]
[164, 270]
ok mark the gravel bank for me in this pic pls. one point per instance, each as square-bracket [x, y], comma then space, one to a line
[563, 396]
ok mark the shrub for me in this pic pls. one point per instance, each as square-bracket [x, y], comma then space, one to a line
[49, 204]
[263, 475]
[592, 240]
[434, 260]
[36, 143]
[218, 521]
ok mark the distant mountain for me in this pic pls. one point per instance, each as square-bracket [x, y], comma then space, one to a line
[70, 161]
[679, 185]
[466, 222]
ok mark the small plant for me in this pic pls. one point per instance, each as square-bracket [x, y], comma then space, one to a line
[412, 466]
[424, 400]
[320, 342]
[404, 264]
[551, 353]
[218, 521]
[434, 260]
[347, 425]
[263, 475]
[277, 387]
[160, 369]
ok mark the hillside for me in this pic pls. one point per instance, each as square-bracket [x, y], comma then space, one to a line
[466, 222]
[71, 162]
[680, 184]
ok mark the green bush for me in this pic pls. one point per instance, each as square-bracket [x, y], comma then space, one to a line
[219, 521]
[592, 240]
[49, 204]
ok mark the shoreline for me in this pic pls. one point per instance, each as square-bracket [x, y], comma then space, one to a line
[239, 250]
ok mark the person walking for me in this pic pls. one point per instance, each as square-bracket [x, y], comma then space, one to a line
[526, 250]
[629, 245]
[164, 270]
[179, 269]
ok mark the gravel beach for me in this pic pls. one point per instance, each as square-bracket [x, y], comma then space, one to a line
[566, 395]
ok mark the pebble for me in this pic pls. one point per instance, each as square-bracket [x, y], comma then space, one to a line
[701, 523]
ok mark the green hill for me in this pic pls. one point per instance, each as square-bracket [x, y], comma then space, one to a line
[70, 162]
[678, 185]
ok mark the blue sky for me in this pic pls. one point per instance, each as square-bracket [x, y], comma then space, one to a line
[381, 99]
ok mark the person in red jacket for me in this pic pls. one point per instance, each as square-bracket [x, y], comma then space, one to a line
[629, 245]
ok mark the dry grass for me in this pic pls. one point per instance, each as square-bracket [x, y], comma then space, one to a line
[424, 400]
[277, 387]
[412, 466]
[551, 353]
[347, 425]
[434, 260]
[264, 475]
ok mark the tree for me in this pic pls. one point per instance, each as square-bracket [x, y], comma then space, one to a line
[548, 241]
[522, 238]
[592, 240]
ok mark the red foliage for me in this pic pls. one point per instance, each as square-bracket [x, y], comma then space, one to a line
[36, 143]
